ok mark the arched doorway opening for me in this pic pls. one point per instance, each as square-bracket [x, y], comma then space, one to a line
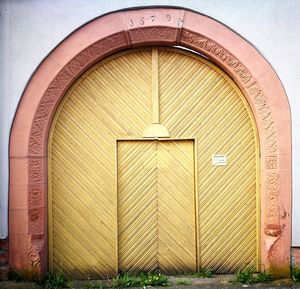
[154, 202]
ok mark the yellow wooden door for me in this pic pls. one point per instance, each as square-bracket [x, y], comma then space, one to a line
[156, 206]
[153, 93]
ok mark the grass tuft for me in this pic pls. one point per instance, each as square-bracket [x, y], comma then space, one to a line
[141, 280]
[295, 272]
[244, 277]
[248, 276]
[94, 285]
[183, 281]
[56, 281]
[264, 277]
[202, 273]
[124, 281]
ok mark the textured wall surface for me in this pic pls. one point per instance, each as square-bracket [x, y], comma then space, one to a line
[296, 256]
[29, 30]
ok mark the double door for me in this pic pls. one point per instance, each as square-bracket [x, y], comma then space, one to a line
[147, 204]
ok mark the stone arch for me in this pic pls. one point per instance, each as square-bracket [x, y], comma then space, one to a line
[141, 27]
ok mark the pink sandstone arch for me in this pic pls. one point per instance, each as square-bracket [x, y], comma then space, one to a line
[126, 29]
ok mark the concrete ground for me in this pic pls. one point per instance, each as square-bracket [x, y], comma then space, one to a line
[218, 282]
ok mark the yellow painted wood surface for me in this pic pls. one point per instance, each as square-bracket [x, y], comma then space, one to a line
[114, 100]
[200, 101]
[156, 206]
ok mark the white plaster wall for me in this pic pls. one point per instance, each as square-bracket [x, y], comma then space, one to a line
[30, 29]
[5, 115]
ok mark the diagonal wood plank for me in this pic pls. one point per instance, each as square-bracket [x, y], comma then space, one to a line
[137, 206]
[176, 207]
[199, 100]
[103, 105]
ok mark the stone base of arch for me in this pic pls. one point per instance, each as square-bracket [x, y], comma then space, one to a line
[4, 268]
[141, 27]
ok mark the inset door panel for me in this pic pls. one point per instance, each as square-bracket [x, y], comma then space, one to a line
[156, 206]
[137, 205]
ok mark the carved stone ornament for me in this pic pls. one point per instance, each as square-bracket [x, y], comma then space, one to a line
[248, 82]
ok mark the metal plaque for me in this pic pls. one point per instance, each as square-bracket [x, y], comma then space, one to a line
[219, 160]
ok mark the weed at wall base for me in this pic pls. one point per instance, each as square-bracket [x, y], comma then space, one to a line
[264, 277]
[202, 273]
[181, 281]
[141, 280]
[94, 285]
[296, 274]
[55, 281]
[248, 276]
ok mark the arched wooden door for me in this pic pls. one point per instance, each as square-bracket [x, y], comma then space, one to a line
[153, 165]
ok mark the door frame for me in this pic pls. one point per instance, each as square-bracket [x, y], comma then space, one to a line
[126, 29]
[196, 196]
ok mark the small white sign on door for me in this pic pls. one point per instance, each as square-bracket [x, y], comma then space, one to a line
[219, 160]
